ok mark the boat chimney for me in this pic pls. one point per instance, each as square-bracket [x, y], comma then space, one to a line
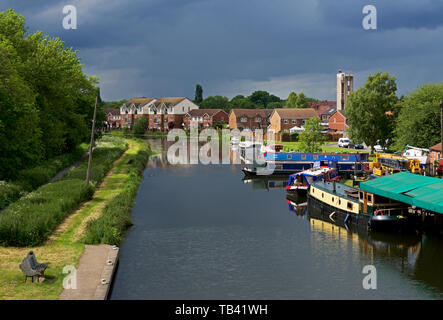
[333, 186]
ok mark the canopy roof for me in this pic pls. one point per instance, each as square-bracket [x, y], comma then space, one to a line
[423, 192]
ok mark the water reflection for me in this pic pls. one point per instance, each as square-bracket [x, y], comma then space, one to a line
[216, 235]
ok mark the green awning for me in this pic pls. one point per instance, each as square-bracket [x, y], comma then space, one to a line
[423, 192]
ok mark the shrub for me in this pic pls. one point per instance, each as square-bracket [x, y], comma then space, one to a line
[29, 221]
[9, 193]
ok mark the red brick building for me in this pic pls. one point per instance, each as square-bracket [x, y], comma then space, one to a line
[205, 117]
[249, 119]
[113, 118]
[284, 119]
[338, 122]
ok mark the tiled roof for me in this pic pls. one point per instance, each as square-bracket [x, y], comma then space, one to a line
[169, 101]
[201, 112]
[251, 113]
[112, 111]
[296, 113]
[437, 147]
[141, 100]
[325, 109]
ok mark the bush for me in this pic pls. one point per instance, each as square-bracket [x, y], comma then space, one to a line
[29, 221]
[110, 227]
[140, 125]
[9, 193]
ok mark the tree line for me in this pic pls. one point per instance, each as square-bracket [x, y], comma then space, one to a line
[376, 115]
[46, 101]
[259, 99]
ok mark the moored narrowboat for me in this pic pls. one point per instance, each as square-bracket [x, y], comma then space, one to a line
[300, 182]
[346, 205]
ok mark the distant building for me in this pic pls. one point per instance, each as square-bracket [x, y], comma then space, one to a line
[345, 85]
[324, 109]
[133, 109]
[249, 119]
[205, 117]
[113, 118]
[338, 122]
[167, 113]
[284, 119]
[162, 114]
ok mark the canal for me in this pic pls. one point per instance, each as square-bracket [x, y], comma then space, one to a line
[202, 232]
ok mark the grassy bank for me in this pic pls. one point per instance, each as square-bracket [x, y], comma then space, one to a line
[32, 178]
[30, 220]
[66, 244]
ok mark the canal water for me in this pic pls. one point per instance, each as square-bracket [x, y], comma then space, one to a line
[203, 232]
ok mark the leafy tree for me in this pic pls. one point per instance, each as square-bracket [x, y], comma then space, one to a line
[311, 139]
[292, 100]
[54, 111]
[275, 105]
[418, 122]
[301, 101]
[241, 102]
[367, 110]
[140, 125]
[215, 102]
[198, 94]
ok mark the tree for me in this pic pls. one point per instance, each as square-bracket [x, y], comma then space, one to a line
[241, 102]
[369, 110]
[46, 101]
[301, 101]
[215, 102]
[311, 139]
[275, 105]
[198, 94]
[292, 100]
[418, 122]
[140, 125]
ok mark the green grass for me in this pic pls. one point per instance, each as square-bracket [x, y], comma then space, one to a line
[32, 178]
[111, 225]
[66, 245]
[30, 220]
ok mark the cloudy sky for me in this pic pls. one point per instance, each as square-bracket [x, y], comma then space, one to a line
[164, 47]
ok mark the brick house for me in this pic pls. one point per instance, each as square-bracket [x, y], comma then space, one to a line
[435, 153]
[249, 119]
[133, 109]
[113, 118]
[205, 117]
[284, 119]
[338, 122]
[167, 113]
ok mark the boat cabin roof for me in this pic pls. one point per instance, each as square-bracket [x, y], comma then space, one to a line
[341, 190]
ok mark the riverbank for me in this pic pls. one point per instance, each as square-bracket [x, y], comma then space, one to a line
[67, 244]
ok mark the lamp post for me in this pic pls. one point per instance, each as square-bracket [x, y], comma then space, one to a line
[88, 173]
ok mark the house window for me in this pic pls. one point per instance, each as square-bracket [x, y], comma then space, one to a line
[286, 121]
[257, 119]
[294, 121]
[243, 119]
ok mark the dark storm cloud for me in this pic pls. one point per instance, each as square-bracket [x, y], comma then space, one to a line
[164, 47]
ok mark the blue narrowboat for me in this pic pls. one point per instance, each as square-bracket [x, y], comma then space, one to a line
[284, 163]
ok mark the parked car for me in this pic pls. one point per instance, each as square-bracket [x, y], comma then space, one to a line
[359, 146]
[345, 143]
[379, 148]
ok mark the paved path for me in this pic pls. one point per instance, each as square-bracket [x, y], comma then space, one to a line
[94, 274]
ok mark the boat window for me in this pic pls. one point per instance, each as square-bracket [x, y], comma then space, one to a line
[322, 195]
[303, 157]
[339, 201]
[332, 199]
[369, 198]
[350, 205]
[315, 157]
[345, 158]
[361, 195]
[289, 156]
